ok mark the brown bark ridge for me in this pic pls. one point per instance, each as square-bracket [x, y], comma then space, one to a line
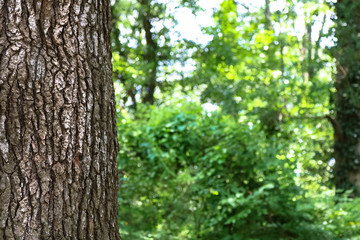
[58, 142]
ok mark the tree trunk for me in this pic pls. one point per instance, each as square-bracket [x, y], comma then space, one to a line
[347, 104]
[58, 143]
[150, 55]
[268, 25]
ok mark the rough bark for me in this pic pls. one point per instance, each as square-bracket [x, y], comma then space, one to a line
[347, 103]
[58, 143]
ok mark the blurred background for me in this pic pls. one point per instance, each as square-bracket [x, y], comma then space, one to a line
[225, 116]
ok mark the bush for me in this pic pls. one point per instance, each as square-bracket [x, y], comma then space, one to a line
[188, 174]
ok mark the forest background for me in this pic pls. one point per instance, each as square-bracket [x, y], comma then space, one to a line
[229, 133]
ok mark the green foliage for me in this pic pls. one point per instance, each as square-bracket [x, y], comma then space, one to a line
[262, 165]
[249, 64]
[188, 174]
[343, 218]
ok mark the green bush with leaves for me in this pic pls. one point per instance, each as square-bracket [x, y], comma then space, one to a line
[189, 174]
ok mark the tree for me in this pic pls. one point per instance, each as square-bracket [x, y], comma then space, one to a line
[260, 64]
[147, 49]
[138, 52]
[347, 121]
[58, 141]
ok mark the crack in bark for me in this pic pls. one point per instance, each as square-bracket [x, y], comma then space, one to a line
[58, 142]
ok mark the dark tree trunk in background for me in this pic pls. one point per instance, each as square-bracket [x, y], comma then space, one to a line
[267, 13]
[58, 143]
[347, 103]
[150, 54]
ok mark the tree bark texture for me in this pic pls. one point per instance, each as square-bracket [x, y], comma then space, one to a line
[58, 142]
[347, 103]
